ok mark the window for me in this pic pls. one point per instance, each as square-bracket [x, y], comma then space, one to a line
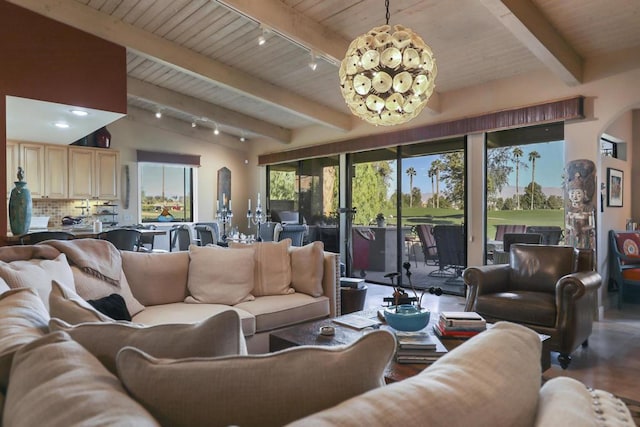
[166, 192]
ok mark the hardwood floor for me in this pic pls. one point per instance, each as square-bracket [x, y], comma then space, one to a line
[610, 362]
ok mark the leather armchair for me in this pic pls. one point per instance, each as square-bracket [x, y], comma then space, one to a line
[550, 289]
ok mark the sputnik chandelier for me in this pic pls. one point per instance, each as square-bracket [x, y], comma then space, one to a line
[387, 76]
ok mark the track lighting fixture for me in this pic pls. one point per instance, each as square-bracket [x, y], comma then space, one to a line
[216, 131]
[263, 37]
[158, 114]
[313, 64]
[193, 124]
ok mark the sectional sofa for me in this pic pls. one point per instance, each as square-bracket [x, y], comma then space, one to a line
[270, 285]
[64, 363]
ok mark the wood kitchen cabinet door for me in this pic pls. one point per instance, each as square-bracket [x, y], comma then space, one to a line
[56, 172]
[107, 178]
[81, 173]
[32, 161]
[13, 161]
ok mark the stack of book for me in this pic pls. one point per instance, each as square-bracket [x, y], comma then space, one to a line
[418, 347]
[459, 324]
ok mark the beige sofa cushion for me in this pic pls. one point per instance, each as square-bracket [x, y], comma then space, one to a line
[276, 311]
[567, 402]
[307, 268]
[157, 278]
[491, 380]
[260, 390]
[272, 267]
[37, 274]
[70, 307]
[3, 285]
[220, 275]
[219, 335]
[181, 312]
[23, 318]
[55, 382]
[90, 287]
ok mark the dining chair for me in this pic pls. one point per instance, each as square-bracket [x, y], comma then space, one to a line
[179, 237]
[295, 232]
[125, 239]
[215, 230]
[267, 231]
[40, 236]
[205, 235]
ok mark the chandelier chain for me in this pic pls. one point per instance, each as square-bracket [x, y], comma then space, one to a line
[387, 14]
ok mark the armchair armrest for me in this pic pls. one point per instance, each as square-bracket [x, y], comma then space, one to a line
[483, 280]
[574, 286]
[331, 282]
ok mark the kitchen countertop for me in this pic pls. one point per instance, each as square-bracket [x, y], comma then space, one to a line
[83, 232]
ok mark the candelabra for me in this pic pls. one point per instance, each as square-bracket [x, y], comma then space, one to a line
[224, 215]
[256, 218]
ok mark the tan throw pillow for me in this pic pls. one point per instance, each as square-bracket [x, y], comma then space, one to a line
[255, 390]
[307, 268]
[272, 267]
[70, 307]
[219, 335]
[480, 383]
[55, 382]
[219, 275]
[157, 278]
[23, 318]
[37, 274]
[90, 288]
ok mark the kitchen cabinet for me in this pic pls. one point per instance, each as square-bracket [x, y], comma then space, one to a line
[45, 168]
[93, 173]
[56, 172]
[32, 161]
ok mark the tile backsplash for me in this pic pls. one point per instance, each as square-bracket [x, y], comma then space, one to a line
[57, 209]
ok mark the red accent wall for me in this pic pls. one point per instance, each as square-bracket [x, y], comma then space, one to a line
[45, 60]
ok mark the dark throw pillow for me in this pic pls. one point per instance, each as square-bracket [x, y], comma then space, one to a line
[112, 306]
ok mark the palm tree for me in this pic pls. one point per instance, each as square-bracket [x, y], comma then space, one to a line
[411, 172]
[436, 167]
[517, 153]
[431, 174]
[532, 158]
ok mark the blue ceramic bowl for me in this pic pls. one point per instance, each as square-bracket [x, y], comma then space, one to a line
[407, 318]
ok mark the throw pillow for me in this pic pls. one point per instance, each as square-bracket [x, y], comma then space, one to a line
[91, 287]
[157, 278]
[219, 275]
[272, 267]
[307, 268]
[478, 384]
[255, 390]
[219, 335]
[55, 382]
[37, 274]
[70, 307]
[23, 318]
[113, 306]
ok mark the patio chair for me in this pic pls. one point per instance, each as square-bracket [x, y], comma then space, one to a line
[428, 243]
[41, 236]
[551, 235]
[452, 254]
[501, 229]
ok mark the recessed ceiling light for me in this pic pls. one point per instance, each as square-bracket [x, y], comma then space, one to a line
[61, 125]
[79, 113]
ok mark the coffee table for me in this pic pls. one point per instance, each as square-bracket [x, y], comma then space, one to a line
[308, 334]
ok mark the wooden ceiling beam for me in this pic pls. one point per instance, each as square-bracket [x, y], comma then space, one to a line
[149, 45]
[204, 110]
[529, 25]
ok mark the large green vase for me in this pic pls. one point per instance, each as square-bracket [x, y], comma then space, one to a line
[20, 206]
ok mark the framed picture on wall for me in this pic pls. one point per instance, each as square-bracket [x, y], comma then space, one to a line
[615, 182]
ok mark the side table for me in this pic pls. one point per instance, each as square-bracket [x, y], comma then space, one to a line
[352, 299]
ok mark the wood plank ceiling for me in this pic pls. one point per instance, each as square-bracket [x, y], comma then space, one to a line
[198, 60]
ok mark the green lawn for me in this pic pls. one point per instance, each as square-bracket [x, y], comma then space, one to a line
[420, 215]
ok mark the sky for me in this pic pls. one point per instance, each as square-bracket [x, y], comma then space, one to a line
[549, 168]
